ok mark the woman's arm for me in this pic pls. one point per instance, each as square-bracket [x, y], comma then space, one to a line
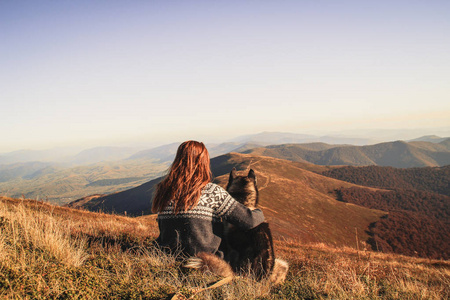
[230, 210]
[243, 217]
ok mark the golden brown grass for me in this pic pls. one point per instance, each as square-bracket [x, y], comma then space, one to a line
[345, 273]
[48, 252]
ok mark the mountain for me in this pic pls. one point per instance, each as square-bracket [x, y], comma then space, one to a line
[99, 154]
[299, 204]
[164, 153]
[68, 156]
[430, 139]
[25, 170]
[276, 138]
[49, 155]
[270, 138]
[223, 148]
[396, 154]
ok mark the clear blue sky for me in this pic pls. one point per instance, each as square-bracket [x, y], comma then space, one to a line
[105, 72]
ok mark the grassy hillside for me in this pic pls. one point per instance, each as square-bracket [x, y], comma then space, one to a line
[298, 203]
[417, 222]
[50, 252]
[418, 202]
[396, 154]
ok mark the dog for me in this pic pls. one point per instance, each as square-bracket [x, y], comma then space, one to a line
[250, 250]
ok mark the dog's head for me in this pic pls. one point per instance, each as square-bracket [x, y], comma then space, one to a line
[243, 188]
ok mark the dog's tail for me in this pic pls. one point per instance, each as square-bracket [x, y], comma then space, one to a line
[279, 272]
[210, 262]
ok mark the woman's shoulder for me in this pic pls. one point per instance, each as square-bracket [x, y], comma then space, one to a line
[216, 190]
[211, 187]
[215, 193]
[216, 198]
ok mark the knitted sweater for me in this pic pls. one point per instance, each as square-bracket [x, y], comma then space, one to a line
[200, 229]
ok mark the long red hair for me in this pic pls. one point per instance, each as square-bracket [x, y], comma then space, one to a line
[188, 174]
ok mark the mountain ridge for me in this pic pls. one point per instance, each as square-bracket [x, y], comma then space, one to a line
[69, 154]
[399, 154]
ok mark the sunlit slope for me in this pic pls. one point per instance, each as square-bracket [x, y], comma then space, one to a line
[90, 224]
[298, 203]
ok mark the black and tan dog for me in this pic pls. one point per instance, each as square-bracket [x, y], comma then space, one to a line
[245, 251]
[252, 249]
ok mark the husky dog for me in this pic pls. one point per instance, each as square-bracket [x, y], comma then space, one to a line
[250, 250]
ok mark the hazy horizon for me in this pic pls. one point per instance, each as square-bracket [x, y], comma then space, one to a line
[113, 73]
[373, 135]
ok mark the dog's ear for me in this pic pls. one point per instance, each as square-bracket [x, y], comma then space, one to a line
[252, 175]
[232, 175]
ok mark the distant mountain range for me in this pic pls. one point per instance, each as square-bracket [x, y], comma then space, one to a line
[397, 154]
[76, 156]
[429, 138]
[100, 154]
[61, 183]
[274, 138]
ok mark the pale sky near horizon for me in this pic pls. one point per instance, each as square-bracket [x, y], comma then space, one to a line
[110, 72]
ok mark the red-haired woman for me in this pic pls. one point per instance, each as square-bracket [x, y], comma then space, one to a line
[191, 208]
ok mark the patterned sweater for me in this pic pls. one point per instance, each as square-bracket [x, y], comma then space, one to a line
[200, 229]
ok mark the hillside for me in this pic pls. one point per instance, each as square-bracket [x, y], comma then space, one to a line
[418, 203]
[51, 252]
[397, 154]
[298, 203]
[431, 179]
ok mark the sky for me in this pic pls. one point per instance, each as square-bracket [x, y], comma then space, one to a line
[121, 72]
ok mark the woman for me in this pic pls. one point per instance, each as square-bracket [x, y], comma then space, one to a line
[191, 208]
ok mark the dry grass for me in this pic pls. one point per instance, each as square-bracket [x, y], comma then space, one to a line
[31, 229]
[48, 252]
[345, 273]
